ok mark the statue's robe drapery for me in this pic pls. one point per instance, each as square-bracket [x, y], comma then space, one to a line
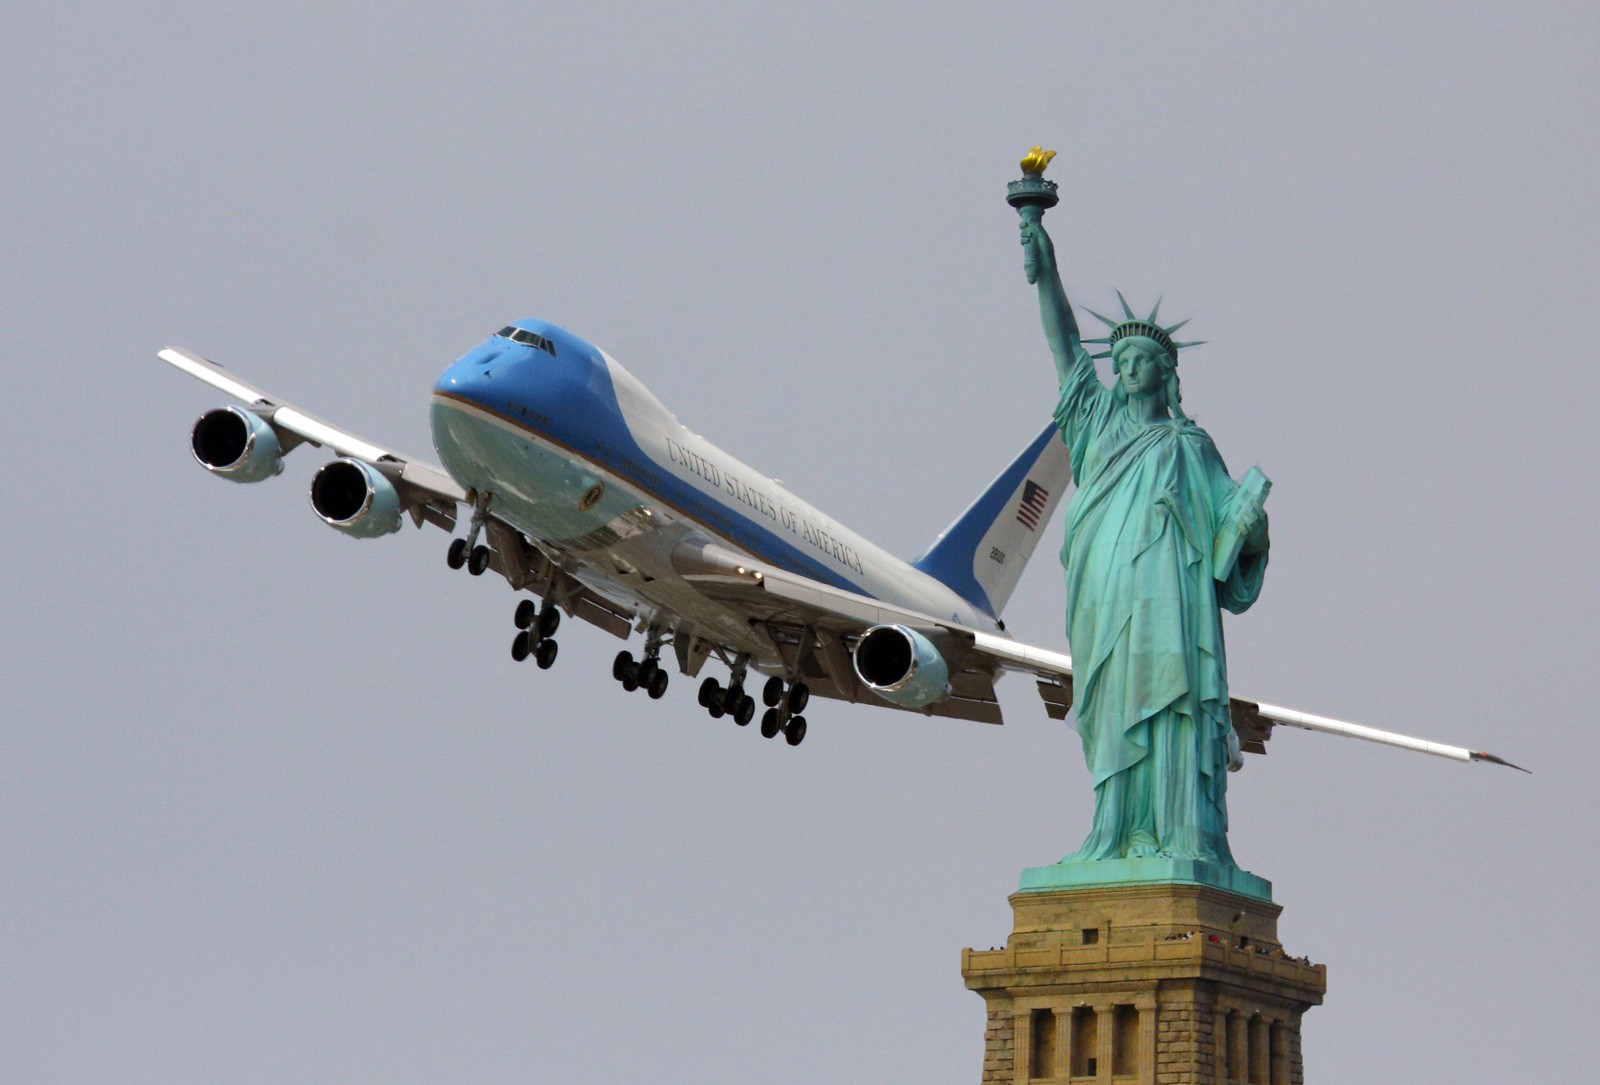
[1150, 675]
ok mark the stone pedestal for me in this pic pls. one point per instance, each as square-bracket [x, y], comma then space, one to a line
[1154, 984]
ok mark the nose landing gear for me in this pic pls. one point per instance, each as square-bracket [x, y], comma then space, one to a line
[467, 551]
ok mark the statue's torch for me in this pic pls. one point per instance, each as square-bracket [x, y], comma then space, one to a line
[1031, 194]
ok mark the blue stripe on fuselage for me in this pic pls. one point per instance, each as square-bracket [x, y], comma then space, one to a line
[569, 400]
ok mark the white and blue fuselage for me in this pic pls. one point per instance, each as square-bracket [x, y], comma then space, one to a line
[578, 454]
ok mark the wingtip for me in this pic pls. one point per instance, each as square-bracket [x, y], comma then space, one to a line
[1479, 755]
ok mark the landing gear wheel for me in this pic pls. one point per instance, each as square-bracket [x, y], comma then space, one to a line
[478, 560]
[549, 621]
[648, 669]
[527, 611]
[658, 685]
[521, 646]
[795, 733]
[456, 556]
[799, 697]
[620, 665]
[770, 723]
[630, 677]
[545, 654]
[710, 692]
[731, 698]
[772, 692]
[745, 712]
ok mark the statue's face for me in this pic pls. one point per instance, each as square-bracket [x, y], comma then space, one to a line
[1139, 370]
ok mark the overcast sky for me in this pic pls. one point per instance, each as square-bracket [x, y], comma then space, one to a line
[278, 805]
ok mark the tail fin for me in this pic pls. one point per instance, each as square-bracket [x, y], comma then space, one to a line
[981, 556]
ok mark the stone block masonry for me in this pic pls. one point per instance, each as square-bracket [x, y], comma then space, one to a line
[1149, 984]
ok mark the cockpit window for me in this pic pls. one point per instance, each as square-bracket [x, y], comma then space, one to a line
[523, 335]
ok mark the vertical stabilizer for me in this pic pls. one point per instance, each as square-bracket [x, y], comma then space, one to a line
[981, 556]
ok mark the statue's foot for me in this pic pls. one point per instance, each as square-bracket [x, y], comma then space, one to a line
[1144, 851]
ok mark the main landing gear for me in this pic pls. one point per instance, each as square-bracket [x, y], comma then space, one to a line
[731, 700]
[467, 551]
[782, 711]
[647, 674]
[537, 625]
[784, 702]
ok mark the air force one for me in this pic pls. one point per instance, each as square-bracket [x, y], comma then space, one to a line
[584, 492]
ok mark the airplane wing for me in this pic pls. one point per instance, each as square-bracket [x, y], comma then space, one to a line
[427, 486]
[833, 617]
[427, 493]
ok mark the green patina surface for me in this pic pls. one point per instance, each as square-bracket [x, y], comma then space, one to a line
[1149, 568]
[1164, 871]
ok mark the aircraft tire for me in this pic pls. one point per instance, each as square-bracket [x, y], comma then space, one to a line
[710, 692]
[745, 712]
[770, 723]
[549, 621]
[526, 613]
[772, 692]
[731, 698]
[658, 685]
[545, 654]
[456, 556]
[478, 560]
[520, 646]
[799, 697]
[630, 677]
[620, 665]
[795, 733]
[648, 669]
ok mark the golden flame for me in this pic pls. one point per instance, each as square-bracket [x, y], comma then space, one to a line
[1036, 160]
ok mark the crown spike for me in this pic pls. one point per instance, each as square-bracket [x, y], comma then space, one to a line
[1178, 325]
[1107, 322]
[1102, 354]
[1154, 310]
[1125, 308]
[1196, 343]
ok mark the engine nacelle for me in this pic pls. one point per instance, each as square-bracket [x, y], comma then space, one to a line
[901, 665]
[356, 498]
[237, 445]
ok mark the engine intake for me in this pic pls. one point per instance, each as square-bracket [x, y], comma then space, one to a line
[237, 445]
[901, 665]
[356, 498]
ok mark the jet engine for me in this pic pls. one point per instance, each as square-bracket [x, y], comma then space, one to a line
[237, 445]
[901, 665]
[356, 498]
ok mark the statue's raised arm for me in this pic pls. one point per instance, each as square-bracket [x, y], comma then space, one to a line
[1055, 311]
[1032, 196]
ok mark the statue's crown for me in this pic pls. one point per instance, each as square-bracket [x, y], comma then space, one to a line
[1146, 327]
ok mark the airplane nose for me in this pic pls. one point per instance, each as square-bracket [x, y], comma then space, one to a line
[472, 376]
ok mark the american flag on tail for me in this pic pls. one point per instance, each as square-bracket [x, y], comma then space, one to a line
[1034, 499]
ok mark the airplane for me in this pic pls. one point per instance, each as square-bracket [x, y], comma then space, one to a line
[592, 501]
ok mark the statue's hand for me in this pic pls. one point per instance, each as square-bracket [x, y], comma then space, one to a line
[1037, 251]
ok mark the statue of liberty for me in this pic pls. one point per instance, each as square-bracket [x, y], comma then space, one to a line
[1148, 565]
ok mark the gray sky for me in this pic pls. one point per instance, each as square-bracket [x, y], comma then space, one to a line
[277, 805]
